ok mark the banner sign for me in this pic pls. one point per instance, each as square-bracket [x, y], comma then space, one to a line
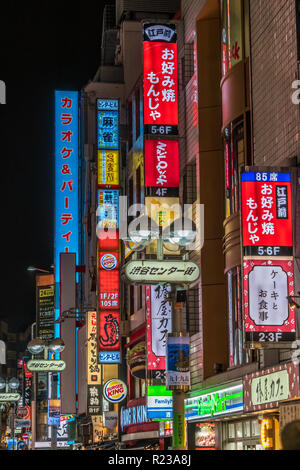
[267, 214]
[159, 324]
[54, 412]
[153, 272]
[161, 168]
[178, 356]
[160, 80]
[268, 315]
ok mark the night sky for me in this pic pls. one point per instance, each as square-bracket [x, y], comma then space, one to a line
[44, 45]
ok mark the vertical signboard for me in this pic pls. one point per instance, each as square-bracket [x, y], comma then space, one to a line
[107, 231]
[161, 157]
[66, 213]
[45, 310]
[66, 174]
[161, 168]
[268, 266]
[178, 356]
[160, 79]
[159, 324]
[93, 368]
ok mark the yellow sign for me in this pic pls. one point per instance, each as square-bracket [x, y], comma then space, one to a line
[93, 368]
[108, 168]
[266, 433]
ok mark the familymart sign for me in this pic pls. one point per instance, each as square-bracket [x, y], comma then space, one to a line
[215, 403]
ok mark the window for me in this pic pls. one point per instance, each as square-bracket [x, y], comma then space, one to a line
[192, 311]
[140, 297]
[190, 184]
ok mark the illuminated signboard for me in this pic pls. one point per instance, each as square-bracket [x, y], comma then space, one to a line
[108, 261]
[159, 402]
[108, 124]
[161, 168]
[267, 214]
[159, 324]
[109, 330]
[153, 272]
[115, 391]
[109, 289]
[108, 208]
[133, 415]
[93, 368]
[268, 265]
[215, 403]
[66, 237]
[160, 80]
[108, 168]
[268, 315]
[107, 231]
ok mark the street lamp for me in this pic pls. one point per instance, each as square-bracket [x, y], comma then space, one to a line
[34, 269]
[182, 233]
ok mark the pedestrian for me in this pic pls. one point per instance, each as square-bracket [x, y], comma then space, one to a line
[290, 436]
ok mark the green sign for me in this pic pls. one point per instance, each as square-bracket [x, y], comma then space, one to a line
[178, 430]
[218, 402]
[158, 391]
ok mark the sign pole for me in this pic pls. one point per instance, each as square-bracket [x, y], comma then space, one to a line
[178, 442]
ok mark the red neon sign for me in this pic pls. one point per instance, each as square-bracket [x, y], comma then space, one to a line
[267, 210]
[160, 83]
[109, 330]
[161, 163]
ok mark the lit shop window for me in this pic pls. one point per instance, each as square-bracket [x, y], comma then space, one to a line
[235, 32]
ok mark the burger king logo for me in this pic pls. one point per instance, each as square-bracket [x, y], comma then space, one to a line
[108, 261]
[115, 391]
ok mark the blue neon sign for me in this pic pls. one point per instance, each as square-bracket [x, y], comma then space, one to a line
[66, 213]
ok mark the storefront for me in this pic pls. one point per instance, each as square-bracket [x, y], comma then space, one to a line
[271, 396]
[137, 432]
[216, 420]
